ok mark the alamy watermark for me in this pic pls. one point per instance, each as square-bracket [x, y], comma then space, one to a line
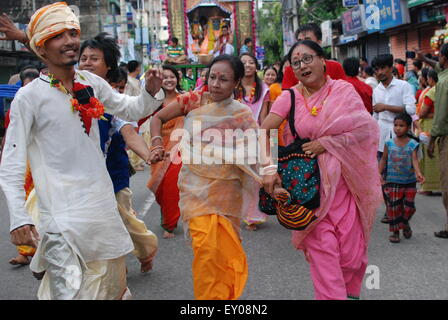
[218, 146]
[372, 280]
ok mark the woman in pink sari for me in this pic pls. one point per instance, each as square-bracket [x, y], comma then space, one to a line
[254, 93]
[344, 137]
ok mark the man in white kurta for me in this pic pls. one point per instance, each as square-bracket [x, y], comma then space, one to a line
[83, 240]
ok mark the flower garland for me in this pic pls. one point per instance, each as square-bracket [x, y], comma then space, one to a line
[252, 93]
[83, 101]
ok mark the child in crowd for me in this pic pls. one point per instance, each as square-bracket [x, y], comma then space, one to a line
[399, 170]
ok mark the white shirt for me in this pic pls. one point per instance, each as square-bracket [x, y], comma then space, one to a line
[74, 190]
[228, 49]
[371, 81]
[398, 93]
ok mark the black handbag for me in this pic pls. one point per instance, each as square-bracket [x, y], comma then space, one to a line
[300, 177]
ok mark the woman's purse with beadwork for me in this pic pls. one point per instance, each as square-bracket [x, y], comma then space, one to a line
[300, 177]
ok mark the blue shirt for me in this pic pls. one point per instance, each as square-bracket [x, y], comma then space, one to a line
[114, 148]
[399, 162]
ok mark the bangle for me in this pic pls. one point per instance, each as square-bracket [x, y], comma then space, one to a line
[155, 148]
[268, 170]
[156, 137]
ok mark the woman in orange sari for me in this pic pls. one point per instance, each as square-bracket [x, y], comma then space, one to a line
[164, 174]
[214, 191]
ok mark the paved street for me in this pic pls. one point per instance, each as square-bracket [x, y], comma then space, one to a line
[414, 269]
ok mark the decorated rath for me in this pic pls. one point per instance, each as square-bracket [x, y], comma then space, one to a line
[197, 24]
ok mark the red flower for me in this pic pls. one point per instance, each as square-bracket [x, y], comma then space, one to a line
[304, 190]
[307, 175]
[194, 97]
[296, 168]
[78, 86]
[294, 182]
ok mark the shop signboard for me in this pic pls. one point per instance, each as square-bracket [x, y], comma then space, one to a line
[350, 3]
[347, 39]
[432, 13]
[353, 21]
[389, 13]
[414, 3]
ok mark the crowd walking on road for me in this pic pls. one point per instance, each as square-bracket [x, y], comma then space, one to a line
[316, 143]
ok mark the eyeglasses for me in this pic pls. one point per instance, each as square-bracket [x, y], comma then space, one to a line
[307, 59]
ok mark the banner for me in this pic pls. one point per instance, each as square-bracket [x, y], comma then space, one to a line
[327, 33]
[353, 21]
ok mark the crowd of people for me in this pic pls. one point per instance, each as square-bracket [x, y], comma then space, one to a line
[376, 131]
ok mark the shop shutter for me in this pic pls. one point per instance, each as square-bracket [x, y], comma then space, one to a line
[377, 44]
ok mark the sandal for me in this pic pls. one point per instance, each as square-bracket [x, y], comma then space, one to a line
[394, 238]
[385, 219]
[441, 234]
[407, 232]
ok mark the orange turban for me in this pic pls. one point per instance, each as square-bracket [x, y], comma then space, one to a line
[49, 21]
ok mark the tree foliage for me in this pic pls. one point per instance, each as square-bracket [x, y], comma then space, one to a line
[320, 10]
[270, 31]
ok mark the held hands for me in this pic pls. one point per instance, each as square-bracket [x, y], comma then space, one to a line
[153, 79]
[10, 30]
[270, 181]
[157, 155]
[313, 148]
[25, 235]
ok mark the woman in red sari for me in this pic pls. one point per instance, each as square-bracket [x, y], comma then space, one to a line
[164, 174]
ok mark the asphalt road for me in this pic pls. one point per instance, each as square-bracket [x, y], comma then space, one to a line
[413, 269]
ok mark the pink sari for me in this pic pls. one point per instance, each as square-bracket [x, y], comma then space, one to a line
[350, 136]
[257, 106]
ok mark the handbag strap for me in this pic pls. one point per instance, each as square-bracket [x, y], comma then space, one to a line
[292, 112]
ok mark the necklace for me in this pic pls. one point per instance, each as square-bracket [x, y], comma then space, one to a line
[252, 93]
[83, 101]
[314, 111]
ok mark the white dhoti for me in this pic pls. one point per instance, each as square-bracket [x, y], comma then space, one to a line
[67, 277]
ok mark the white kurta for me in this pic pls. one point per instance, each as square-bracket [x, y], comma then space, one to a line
[74, 190]
[398, 93]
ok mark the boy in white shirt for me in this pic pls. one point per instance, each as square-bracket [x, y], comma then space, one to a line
[390, 98]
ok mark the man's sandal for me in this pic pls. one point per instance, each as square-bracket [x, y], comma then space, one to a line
[441, 234]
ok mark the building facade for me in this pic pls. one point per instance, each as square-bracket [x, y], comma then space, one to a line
[389, 26]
